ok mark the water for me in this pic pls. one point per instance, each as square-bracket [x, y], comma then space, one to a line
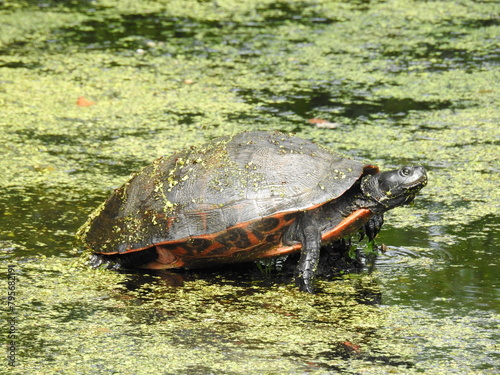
[400, 86]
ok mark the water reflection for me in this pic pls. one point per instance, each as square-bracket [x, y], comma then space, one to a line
[463, 273]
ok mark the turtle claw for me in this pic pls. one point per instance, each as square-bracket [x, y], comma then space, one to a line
[95, 261]
[373, 226]
[99, 261]
[304, 284]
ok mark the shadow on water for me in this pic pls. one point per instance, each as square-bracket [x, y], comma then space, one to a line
[161, 31]
[74, 5]
[436, 56]
[246, 289]
[335, 101]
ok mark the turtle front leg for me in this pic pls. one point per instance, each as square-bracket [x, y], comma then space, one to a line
[310, 236]
[373, 226]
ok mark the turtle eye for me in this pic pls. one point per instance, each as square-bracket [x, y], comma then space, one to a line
[406, 171]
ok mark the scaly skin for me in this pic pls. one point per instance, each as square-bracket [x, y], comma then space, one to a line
[380, 193]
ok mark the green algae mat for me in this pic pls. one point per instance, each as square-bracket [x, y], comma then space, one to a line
[91, 91]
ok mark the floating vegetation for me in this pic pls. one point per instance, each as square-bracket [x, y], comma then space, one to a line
[91, 91]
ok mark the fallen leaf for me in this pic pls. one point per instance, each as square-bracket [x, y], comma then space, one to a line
[320, 123]
[352, 347]
[82, 102]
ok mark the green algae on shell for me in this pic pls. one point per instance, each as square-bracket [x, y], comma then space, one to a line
[206, 189]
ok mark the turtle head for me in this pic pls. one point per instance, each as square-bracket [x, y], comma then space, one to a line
[394, 188]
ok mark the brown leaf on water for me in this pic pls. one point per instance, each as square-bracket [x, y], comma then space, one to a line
[82, 102]
[320, 123]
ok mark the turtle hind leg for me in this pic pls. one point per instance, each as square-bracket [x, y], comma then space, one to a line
[119, 261]
[164, 258]
[104, 261]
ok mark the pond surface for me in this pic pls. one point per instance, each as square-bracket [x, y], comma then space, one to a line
[91, 91]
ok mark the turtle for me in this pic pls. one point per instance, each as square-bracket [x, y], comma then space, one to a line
[240, 198]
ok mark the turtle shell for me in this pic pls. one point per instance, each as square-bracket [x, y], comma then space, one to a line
[213, 189]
